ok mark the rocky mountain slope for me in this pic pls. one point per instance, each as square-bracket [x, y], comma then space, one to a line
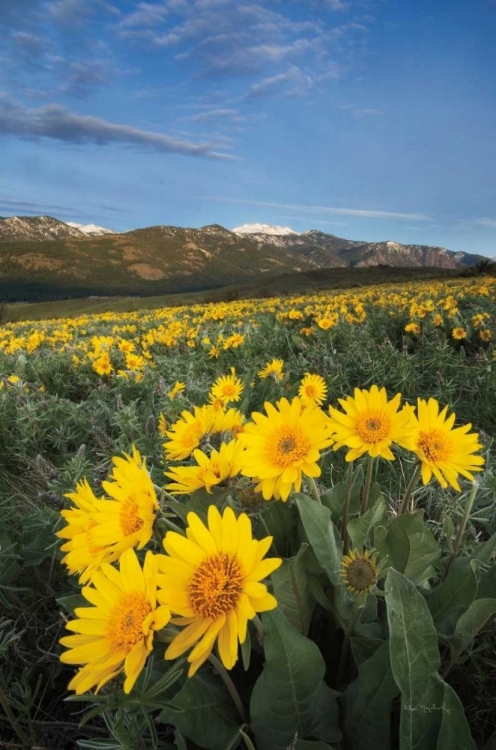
[65, 262]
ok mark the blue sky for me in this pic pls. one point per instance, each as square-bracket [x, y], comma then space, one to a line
[368, 119]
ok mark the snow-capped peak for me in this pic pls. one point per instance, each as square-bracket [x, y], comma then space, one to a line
[90, 229]
[263, 229]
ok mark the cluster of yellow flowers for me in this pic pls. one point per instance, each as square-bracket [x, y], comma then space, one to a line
[209, 583]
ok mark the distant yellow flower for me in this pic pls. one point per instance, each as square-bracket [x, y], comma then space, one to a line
[177, 390]
[370, 424]
[134, 361]
[102, 365]
[212, 578]
[227, 388]
[162, 425]
[413, 328]
[305, 331]
[459, 333]
[326, 323]
[485, 335]
[214, 352]
[442, 450]
[313, 389]
[187, 432]
[273, 368]
[437, 319]
[284, 446]
[359, 572]
[115, 635]
[210, 470]
[13, 379]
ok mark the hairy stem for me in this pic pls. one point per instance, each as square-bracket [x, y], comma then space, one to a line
[409, 490]
[368, 482]
[461, 528]
[346, 509]
[231, 687]
[314, 490]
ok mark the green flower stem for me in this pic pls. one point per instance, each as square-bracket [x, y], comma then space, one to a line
[461, 528]
[346, 509]
[314, 490]
[410, 489]
[249, 744]
[231, 687]
[346, 643]
[368, 482]
[26, 742]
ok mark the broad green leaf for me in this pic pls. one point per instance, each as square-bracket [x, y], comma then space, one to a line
[410, 546]
[204, 712]
[37, 538]
[470, 623]
[70, 603]
[364, 648]
[484, 552]
[414, 662]
[359, 528]
[454, 733]
[320, 532]
[310, 745]
[290, 696]
[368, 702]
[487, 584]
[335, 497]
[456, 592]
[279, 520]
[292, 591]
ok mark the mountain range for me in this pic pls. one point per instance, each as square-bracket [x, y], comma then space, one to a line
[44, 258]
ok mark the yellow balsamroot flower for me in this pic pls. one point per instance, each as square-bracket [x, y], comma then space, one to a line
[459, 333]
[437, 319]
[370, 424]
[134, 362]
[413, 328]
[210, 471]
[187, 432]
[284, 446]
[212, 578]
[115, 635]
[127, 520]
[485, 335]
[102, 365]
[83, 555]
[162, 425]
[313, 389]
[177, 389]
[359, 571]
[273, 368]
[442, 450]
[226, 388]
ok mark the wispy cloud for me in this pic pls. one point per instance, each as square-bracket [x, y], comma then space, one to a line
[331, 210]
[59, 123]
[360, 111]
[484, 222]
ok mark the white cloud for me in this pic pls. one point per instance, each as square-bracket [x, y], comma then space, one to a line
[331, 210]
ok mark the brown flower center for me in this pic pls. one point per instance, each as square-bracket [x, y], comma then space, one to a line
[215, 587]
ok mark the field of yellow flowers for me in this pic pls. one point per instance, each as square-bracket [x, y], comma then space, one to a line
[265, 524]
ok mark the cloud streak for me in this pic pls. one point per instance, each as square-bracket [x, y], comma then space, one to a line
[330, 210]
[61, 124]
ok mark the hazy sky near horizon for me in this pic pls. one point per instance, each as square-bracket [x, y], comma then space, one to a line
[368, 119]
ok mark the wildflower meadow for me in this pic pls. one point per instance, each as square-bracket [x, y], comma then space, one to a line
[263, 524]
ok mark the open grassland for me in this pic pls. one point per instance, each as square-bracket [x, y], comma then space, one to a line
[77, 392]
[267, 285]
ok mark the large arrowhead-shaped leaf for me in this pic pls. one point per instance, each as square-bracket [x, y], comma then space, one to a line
[487, 584]
[470, 623]
[368, 702]
[455, 593]
[410, 546]
[414, 662]
[320, 532]
[279, 520]
[454, 733]
[335, 497]
[291, 589]
[204, 712]
[359, 528]
[290, 698]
